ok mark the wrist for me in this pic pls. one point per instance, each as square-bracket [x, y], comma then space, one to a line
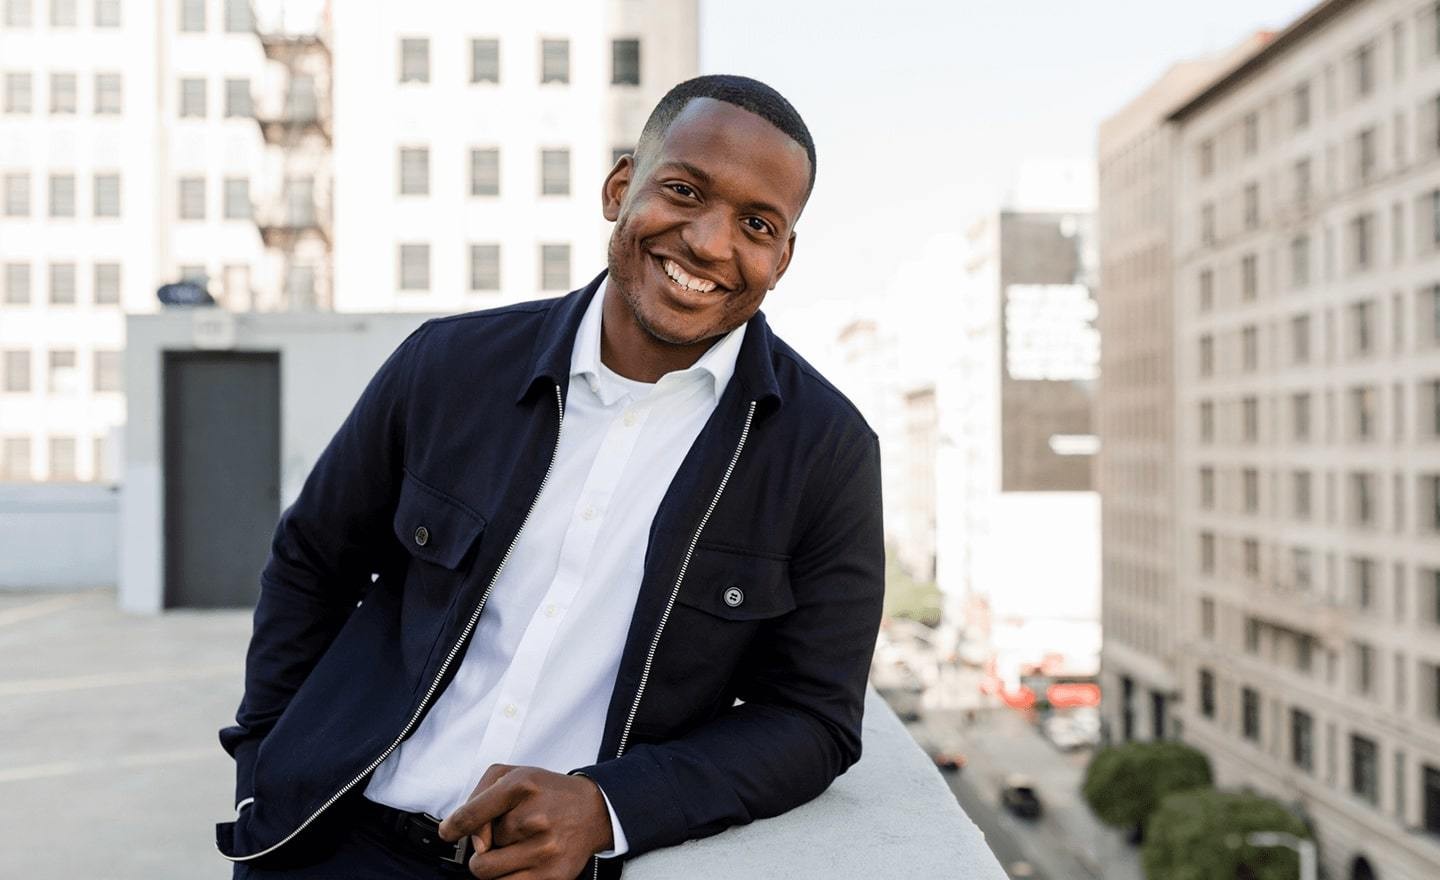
[602, 833]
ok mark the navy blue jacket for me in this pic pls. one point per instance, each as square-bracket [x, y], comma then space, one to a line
[380, 569]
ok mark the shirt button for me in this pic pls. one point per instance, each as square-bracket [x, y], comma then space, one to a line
[510, 710]
[588, 513]
[551, 610]
[422, 536]
[631, 418]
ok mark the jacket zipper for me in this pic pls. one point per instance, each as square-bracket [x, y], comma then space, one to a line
[674, 594]
[449, 658]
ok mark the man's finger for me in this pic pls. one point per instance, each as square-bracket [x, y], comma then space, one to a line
[507, 860]
[484, 838]
[483, 808]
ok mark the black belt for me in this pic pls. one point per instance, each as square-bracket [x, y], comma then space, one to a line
[415, 832]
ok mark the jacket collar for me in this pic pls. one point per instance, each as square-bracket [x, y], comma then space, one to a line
[754, 366]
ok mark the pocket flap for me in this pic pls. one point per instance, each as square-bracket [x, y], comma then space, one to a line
[737, 585]
[433, 526]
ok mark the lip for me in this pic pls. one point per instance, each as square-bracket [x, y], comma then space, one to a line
[660, 264]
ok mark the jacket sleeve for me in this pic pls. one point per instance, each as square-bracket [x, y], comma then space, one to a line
[803, 685]
[323, 553]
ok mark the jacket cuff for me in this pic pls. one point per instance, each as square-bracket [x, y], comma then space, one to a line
[245, 754]
[640, 801]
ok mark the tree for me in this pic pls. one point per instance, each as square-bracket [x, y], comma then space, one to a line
[1200, 835]
[1124, 784]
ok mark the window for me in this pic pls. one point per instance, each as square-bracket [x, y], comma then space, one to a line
[484, 267]
[237, 198]
[1300, 339]
[1362, 408]
[107, 13]
[1300, 261]
[1430, 785]
[1364, 772]
[16, 364]
[1300, 485]
[1430, 492]
[1207, 158]
[1362, 582]
[62, 13]
[1250, 484]
[108, 372]
[1207, 618]
[554, 266]
[1365, 154]
[1250, 550]
[1362, 503]
[239, 18]
[1302, 182]
[1362, 230]
[238, 103]
[1362, 673]
[1250, 419]
[414, 171]
[1302, 740]
[62, 284]
[1207, 289]
[192, 198]
[62, 458]
[1300, 106]
[1249, 277]
[1207, 421]
[1207, 355]
[1251, 134]
[192, 97]
[1252, 205]
[554, 61]
[107, 284]
[1207, 553]
[17, 284]
[485, 172]
[64, 93]
[1250, 348]
[1250, 714]
[625, 66]
[1207, 224]
[107, 195]
[1435, 217]
[64, 377]
[15, 463]
[414, 59]
[1362, 320]
[1302, 566]
[1207, 693]
[1207, 488]
[1364, 70]
[192, 16]
[62, 195]
[555, 174]
[300, 286]
[414, 267]
[18, 14]
[108, 97]
[299, 195]
[485, 60]
[17, 195]
[302, 103]
[18, 97]
[1433, 389]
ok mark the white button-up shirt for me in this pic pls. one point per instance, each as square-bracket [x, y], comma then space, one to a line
[535, 684]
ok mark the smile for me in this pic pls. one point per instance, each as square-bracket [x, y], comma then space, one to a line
[685, 279]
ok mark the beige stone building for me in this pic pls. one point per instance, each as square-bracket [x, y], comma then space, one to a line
[1307, 391]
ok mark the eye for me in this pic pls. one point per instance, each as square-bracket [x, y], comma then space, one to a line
[758, 225]
[682, 189]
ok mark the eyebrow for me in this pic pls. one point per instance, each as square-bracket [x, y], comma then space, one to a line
[699, 174]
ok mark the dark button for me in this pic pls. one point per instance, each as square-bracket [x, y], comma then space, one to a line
[422, 536]
[734, 596]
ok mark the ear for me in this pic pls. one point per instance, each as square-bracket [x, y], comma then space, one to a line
[784, 261]
[617, 184]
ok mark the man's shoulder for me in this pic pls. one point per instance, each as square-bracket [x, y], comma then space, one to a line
[809, 395]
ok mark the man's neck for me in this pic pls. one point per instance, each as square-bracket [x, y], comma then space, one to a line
[629, 350]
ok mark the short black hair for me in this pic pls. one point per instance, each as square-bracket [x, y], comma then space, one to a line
[741, 91]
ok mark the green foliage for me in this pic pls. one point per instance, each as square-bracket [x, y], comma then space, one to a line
[1200, 835]
[1124, 784]
[908, 598]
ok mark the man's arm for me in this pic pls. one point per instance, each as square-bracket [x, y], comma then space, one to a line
[324, 550]
[803, 686]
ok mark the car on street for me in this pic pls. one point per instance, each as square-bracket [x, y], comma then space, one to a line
[1018, 795]
[948, 759]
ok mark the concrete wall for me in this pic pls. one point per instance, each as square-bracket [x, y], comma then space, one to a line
[891, 815]
[325, 361]
[58, 536]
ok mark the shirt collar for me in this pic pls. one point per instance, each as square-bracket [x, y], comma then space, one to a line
[717, 364]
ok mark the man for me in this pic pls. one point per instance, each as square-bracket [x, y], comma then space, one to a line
[581, 577]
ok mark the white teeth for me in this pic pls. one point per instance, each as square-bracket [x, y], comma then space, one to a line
[685, 280]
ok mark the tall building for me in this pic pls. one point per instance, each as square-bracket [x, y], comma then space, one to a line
[1134, 403]
[1307, 390]
[471, 141]
[294, 156]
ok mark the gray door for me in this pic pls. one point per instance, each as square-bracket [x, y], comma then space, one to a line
[222, 475]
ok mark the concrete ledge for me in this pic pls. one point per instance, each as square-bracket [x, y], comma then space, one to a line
[891, 815]
[58, 536]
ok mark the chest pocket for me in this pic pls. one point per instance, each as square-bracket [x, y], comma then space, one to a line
[737, 585]
[434, 527]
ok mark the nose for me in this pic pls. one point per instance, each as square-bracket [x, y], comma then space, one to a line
[708, 237]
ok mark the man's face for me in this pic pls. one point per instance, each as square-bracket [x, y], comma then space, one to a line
[704, 224]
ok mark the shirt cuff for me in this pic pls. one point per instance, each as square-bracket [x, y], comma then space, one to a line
[621, 845]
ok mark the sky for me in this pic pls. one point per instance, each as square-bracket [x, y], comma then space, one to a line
[922, 110]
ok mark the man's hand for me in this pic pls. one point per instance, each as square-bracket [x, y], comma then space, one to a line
[531, 823]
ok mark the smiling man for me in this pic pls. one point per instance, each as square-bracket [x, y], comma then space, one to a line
[578, 578]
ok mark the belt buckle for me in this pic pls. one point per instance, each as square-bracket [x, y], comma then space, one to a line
[423, 830]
